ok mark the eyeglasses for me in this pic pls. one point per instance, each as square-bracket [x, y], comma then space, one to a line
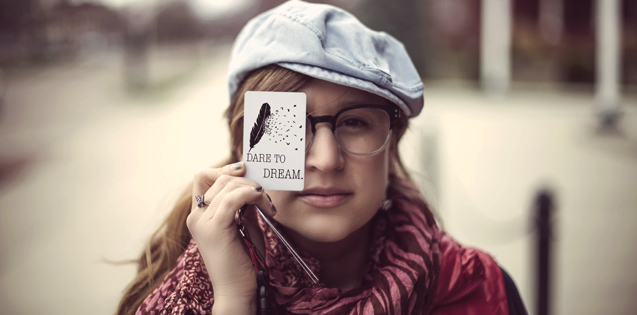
[359, 130]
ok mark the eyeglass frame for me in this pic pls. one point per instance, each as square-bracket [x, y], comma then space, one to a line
[392, 111]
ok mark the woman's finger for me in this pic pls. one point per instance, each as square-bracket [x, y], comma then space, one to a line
[229, 183]
[223, 181]
[229, 200]
[205, 178]
[267, 206]
[219, 183]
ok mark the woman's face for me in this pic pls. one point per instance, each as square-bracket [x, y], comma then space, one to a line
[342, 192]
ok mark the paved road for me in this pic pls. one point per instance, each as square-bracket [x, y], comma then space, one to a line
[88, 171]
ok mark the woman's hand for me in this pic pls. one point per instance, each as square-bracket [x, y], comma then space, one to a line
[214, 229]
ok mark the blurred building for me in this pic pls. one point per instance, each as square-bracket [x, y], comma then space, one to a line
[551, 40]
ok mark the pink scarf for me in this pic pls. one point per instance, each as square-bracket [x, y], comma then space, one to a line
[400, 275]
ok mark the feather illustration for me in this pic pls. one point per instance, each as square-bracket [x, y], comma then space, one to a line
[259, 126]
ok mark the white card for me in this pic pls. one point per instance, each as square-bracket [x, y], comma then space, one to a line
[274, 139]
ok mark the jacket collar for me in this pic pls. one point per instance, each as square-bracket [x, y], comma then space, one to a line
[461, 272]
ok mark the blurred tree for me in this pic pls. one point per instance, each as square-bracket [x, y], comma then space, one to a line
[177, 22]
[452, 39]
[402, 19]
[15, 15]
[17, 21]
[32, 31]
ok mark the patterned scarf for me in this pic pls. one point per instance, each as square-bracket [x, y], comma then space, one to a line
[400, 275]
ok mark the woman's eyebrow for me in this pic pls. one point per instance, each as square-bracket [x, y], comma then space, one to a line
[349, 103]
[367, 101]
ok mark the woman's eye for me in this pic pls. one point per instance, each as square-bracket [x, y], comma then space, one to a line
[353, 122]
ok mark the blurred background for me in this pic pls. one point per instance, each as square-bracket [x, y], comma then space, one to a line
[526, 148]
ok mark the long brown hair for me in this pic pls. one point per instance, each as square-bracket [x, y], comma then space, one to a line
[171, 239]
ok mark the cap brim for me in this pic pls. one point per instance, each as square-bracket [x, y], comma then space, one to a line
[342, 79]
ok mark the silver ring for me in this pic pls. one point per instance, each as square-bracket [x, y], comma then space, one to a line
[200, 201]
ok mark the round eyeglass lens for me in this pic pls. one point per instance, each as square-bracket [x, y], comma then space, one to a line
[359, 130]
[362, 130]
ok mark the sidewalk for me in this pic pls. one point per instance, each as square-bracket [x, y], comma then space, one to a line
[95, 170]
[102, 168]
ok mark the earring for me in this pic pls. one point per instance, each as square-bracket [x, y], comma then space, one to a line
[386, 204]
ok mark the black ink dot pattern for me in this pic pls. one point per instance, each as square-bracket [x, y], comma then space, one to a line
[278, 128]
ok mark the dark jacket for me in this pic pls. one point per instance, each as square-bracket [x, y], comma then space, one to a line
[471, 282]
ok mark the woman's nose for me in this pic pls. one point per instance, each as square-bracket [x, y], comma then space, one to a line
[324, 154]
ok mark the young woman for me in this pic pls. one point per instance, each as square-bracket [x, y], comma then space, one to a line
[360, 224]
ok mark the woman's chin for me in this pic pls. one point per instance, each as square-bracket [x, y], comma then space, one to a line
[323, 231]
[325, 236]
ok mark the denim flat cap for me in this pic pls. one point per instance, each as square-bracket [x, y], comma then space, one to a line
[327, 43]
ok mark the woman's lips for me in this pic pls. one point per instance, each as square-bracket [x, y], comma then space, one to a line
[325, 197]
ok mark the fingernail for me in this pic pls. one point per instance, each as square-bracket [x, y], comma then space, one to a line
[237, 166]
[268, 197]
[273, 209]
[259, 188]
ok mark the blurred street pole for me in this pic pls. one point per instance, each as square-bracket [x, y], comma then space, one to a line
[607, 83]
[544, 204]
[495, 46]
